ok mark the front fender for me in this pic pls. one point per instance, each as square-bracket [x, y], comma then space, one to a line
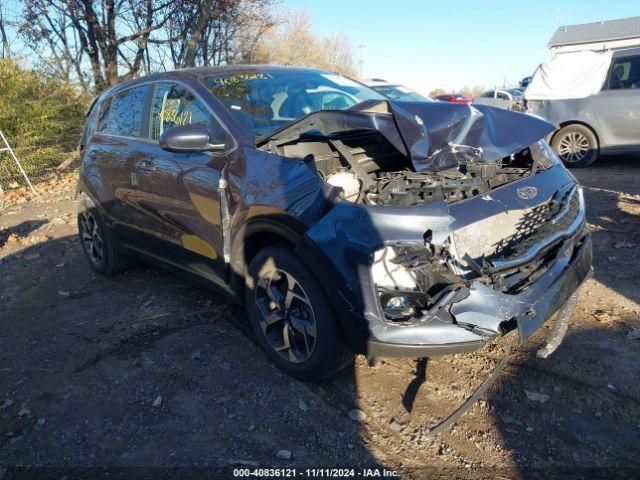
[269, 222]
[339, 248]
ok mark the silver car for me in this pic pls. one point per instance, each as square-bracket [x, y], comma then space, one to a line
[607, 122]
[507, 98]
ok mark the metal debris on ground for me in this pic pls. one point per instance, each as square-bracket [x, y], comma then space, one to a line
[536, 397]
[283, 454]
[357, 415]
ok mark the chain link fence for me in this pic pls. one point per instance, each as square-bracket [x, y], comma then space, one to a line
[42, 160]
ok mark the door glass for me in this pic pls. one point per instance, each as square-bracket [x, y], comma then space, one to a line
[624, 73]
[103, 115]
[125, 114]
[174, 105]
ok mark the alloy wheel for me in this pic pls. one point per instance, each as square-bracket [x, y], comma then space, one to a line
[573, 147]
[285, 315]
[91, 239]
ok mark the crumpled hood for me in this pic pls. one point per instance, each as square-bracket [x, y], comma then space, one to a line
[442, 135]
[435, 135]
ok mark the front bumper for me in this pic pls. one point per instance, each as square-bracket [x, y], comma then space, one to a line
[466, 320]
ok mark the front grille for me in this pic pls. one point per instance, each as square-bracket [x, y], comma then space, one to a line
[538, 224]
[518, 279]
[517, 247]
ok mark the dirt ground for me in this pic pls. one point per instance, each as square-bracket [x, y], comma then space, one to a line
[150, 374]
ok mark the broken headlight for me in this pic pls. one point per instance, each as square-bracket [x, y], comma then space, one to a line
[542, 153]
[409, 278]
[399, 305]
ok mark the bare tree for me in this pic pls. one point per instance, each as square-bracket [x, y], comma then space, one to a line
[6, 51]
[216, 32]
[204, 16]
[295, 43]
[100, 43]
[109, 36]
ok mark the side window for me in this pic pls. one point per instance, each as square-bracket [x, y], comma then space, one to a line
[174, 105]
[624, 73]
[90, 125]
[502, 96]
[125, 114]
[103, 115]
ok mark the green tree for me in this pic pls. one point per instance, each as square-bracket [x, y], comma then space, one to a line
[41, 117]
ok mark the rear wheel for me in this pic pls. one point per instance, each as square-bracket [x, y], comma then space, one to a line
[98, 244]
[576, 145]
[292, 318]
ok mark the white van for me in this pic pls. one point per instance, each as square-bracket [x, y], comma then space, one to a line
[594, 99]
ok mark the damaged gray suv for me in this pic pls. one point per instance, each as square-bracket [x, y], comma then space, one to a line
[345, 222]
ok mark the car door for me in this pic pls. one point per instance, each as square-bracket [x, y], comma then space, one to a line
[617, 105]
[179, 193]
[109, 165]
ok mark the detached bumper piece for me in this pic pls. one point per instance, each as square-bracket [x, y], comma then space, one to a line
[484, 386]
[560, 327]
[554, 339]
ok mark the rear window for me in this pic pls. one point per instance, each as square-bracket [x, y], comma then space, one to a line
[122, 114]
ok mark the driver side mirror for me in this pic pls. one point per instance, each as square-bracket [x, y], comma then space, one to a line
[191, 139]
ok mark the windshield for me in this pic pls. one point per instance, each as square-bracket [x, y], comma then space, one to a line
[266, 100]
[400, 93]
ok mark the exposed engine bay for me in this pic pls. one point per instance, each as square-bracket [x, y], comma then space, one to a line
[370, 170]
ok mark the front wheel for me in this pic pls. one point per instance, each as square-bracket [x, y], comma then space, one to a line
[576, 145]
[292, 318]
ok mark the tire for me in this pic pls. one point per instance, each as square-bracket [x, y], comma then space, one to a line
[576, 145]
[98, 243]
[286, 307]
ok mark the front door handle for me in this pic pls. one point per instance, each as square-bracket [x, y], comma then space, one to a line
[146, 165]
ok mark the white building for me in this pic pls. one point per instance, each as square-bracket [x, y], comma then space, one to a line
[597, 36]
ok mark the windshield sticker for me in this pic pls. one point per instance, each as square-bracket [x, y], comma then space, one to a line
[342, 81]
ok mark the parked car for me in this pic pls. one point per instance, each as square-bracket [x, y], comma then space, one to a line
[607, 121]
[396, 92]
[453, 98]
[355, 229]
[508, 99]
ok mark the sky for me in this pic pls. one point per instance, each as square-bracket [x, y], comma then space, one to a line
[426, 45]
